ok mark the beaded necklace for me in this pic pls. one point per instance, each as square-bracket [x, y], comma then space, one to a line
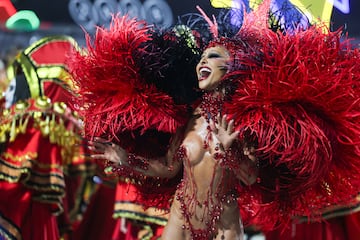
[210, 107]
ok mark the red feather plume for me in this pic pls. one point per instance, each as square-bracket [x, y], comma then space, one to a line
[302, 108]
[115, 98]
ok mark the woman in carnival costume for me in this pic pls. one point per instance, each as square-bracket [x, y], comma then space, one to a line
[275, 134]
[42, 168]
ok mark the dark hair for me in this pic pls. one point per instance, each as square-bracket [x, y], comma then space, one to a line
[169, 62]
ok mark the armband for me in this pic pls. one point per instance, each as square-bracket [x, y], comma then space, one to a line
[137, 162]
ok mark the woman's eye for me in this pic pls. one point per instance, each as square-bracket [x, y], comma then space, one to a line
[214, 55]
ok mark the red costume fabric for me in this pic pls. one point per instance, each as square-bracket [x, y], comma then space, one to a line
[338, 228]
[114, 213]
[126, 206]
[41, 164]
[339, 222]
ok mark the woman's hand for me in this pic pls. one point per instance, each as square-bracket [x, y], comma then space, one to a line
[248, 171]
[224, 131]
[103, 149]
[226, 135]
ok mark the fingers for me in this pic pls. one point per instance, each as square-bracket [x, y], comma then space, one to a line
[230, 127]
[101, 141]
[249, 153]
[98, 156]
[222, 122]
[235, 134]
[98, 144]
[214, 127]
[222, 126]
[103, 149]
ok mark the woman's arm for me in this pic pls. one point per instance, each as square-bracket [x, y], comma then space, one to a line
[163, 167]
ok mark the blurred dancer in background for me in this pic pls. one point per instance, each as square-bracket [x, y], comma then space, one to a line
[42, 168]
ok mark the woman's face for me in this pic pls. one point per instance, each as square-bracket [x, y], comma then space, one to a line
[212, 67]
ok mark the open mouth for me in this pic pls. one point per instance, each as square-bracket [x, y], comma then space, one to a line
[204, 73]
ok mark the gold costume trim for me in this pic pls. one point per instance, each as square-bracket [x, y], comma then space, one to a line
[8, 230]
[50, 119]
[146, 233]
[137, 212]
[50, 181]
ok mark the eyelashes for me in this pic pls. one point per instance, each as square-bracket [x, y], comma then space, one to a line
[214, 55]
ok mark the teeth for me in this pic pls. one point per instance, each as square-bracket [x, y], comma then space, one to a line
[205, 72]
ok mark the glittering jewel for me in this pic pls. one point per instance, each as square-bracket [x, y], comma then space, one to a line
[210, 107]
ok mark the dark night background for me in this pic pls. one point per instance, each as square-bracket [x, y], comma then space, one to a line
[56, 19]
[56, 11]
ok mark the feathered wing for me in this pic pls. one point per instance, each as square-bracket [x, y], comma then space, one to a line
[119, 101]
[135, 85]
[300, 107]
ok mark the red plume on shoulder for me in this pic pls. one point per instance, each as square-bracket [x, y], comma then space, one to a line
[301, 105]
[114, 96]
